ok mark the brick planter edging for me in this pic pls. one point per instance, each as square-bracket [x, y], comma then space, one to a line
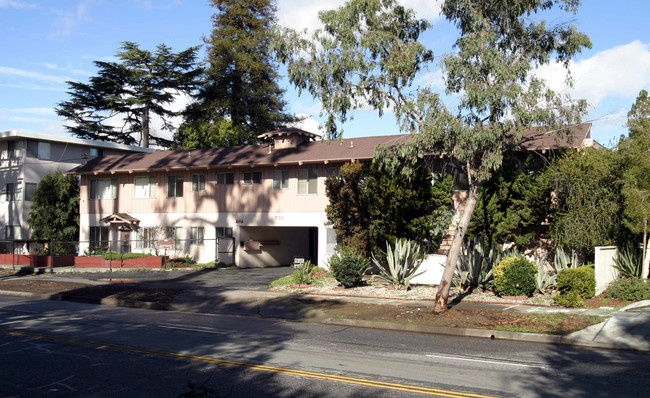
[100, 262]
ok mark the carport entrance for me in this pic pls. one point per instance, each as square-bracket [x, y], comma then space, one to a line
[276, 246]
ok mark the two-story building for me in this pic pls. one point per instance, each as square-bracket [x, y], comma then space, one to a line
[254, 205]
[25, 158]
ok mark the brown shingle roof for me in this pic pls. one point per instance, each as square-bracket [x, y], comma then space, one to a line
[362, 148]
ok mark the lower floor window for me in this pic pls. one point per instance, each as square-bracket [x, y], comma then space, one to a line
[175, 234]
[146, 238]
[99, 238]
[196, 235]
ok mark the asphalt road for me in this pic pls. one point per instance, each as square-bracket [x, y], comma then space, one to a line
[51, 349]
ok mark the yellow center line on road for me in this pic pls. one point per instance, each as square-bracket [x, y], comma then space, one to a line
[263, 368]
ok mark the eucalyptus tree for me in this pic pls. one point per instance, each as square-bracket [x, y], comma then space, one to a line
[117, 104]
[368, 54]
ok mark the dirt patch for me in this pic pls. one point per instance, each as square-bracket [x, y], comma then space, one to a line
[39, 286]
[560, 324]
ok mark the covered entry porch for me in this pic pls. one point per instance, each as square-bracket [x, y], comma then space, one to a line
[276, 246]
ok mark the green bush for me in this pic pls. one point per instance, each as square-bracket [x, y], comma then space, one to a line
[630, 289]
[304, 274]
[349, 267]
[569, 299]
[581, 280]
[515, 276]
[126, 256]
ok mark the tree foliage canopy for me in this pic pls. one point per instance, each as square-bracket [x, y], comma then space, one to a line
[54, 213]
[368, 54]
[239, 98]
[117, 104]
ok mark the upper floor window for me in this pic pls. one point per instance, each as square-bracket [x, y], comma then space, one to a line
[175, 186]
[332, 172]
[252, 177]
[13, 193]
[198, 182]
[95, 152]
[103, 188]
[30, 190]
[225, 178]
[14, 149]
[280, 179]
[307, 181]
[40, 150]
[196, 235]
[145, 187]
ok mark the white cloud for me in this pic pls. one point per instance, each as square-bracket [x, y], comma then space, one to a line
[67, 68]
[68, 20]
[15, 72]
[308, 124]
[16, 4]
[300, 14]
[619, 72]
[33, 111]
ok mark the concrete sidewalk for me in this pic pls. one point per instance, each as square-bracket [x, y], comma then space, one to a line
[225, 293]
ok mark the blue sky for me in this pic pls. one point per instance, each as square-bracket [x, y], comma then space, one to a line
[47, 42]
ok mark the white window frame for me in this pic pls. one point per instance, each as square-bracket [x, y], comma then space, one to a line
[308, 181]
[251, 177]
[280, 179]
[144, 187]
[146, 238]
[196, 235]
[198, 182]
[178, 181]
[225, 178]
[12, 193]
[102, 189]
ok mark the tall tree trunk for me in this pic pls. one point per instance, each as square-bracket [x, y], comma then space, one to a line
[145, 127]
[454, 252]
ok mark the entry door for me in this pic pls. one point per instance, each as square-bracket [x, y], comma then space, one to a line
[226, 250]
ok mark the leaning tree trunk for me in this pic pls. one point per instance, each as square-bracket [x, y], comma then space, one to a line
[644, 265]
[454, 252]
[145, 127]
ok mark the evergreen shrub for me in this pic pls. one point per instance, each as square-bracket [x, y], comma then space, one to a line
[349, 267]
[581, 280]
[570, 299]
[515, 276]
[630, 289]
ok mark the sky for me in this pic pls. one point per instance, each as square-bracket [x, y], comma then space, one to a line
[44, 43]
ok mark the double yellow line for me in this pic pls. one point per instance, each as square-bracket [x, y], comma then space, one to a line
[262, 368]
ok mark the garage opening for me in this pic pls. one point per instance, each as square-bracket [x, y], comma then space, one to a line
[276, 246]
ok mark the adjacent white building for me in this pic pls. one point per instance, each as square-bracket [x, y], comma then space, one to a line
[25, 158]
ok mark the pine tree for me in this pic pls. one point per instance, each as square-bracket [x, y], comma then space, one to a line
[117, 104]
[240, 97]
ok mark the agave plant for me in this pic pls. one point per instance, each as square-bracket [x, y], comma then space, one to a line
[629, 262]
[475, 264]
[304, 274]
[546, 280]
[563, 261]
[399, 265]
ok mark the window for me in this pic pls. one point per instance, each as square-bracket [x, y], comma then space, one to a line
[13, 193]
[225, 178]
[99, 237]
[145, 187]
[252, 177]
[198, 182]
[96, 152]
[104, 188]
[146, 238]
[174, 186]
[14, 149]
[30, 189]
[13, 232]
[196, 235]
[307, 181]
[224, 232]
[332, 172]
[175, 234]
[40, 150]
[280, 179]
